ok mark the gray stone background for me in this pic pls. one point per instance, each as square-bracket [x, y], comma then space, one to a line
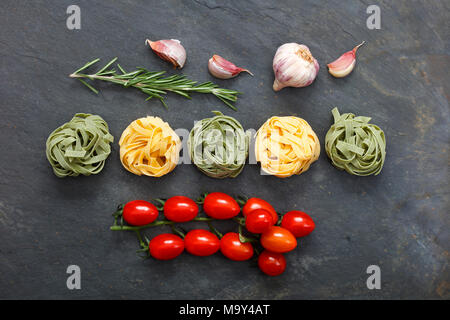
[397, 220]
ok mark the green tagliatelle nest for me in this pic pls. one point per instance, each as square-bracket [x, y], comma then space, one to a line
[355, 145]
[79, 146]
[218, 146]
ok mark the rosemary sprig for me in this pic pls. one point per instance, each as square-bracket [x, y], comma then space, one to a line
[154, 84]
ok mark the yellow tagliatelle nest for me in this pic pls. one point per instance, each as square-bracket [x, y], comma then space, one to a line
[149, 146]
[286, 146]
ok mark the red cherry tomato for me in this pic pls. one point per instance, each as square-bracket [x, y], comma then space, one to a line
[201, 242]
[278, 239]
[180, 209]
[139, 212]
[298, 223]
[253, 204]
[234, 249]
[271, 263]
[258, 221]
[166, 246]
[219, 205]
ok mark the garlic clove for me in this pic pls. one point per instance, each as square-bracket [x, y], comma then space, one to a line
[169, 50]
[224, 69]
[343, 65]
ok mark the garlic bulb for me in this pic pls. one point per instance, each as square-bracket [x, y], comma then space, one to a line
[224, 69]
[169, 50]
[294, 66]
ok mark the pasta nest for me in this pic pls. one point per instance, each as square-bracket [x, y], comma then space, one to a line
[218, 146]
[286, 146]
[149, 146]
[355, 145]
[79, 146]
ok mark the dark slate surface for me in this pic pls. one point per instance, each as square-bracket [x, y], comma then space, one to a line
[397, 220]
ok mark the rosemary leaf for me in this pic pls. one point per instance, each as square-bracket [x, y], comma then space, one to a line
[184, 94]
[89, 86]
[87, 65]
[154, 84]
[121, 69]
[107, 65]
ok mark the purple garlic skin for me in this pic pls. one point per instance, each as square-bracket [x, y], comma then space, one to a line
[224, 69]
[294, 66]
[169, 50]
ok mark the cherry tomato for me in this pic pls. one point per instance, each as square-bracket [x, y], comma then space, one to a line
[166, 246]
[271, 263]
[278, 239]
[139, 212]
[258, 221]
[201, 242]
[234, 249]
[219, 205]
[298, 223]
[257, 203]
[180, 209]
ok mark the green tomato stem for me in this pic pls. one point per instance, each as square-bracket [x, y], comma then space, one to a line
[153, 224]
